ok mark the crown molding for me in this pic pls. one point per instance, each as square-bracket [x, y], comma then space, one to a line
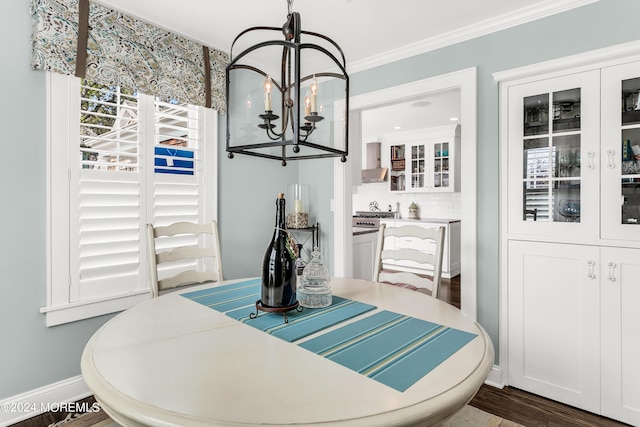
[498, 23]
[598, 58]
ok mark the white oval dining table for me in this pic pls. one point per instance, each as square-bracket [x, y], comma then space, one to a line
[172, 362]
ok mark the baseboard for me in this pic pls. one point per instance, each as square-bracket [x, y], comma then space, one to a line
[494, 378]
[26, 405]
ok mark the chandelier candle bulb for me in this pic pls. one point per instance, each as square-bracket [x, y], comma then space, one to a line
[267, 94]
[307, 105]
[314, 93]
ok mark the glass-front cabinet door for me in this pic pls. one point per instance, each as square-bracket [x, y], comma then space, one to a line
[418, 165]
[424, 160]
[441, 158]
[620, 163]
[397, 173]
[552, 148]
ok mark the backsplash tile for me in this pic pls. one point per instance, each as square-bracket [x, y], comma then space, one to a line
[430, 205]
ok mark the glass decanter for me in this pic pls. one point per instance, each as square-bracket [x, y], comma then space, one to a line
[314, 290]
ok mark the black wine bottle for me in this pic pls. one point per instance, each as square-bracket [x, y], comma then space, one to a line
[279, 264]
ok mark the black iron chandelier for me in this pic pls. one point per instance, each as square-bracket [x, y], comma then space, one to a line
[303, 88]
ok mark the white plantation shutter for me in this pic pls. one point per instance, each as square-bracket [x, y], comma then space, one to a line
[178, 170]
[105, 255]
[178, 189]
[537, 192]
[108, 258]
[129, 160]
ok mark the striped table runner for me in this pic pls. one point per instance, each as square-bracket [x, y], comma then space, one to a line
[391, 348]
[237, 300]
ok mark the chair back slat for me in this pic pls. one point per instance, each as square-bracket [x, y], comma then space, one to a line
[403, 277]
[185, 252]
[189, 277]
[193, 250]
[428, 256]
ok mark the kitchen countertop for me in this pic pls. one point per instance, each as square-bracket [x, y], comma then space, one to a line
[430, 220]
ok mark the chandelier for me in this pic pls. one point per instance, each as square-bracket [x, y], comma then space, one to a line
[287, 99]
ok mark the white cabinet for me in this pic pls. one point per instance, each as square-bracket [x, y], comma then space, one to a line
[620, 336]
[571, 148]
[450, 256]
[423, 161]
[364, 254]
[554, 322]
[573, 325]
[572, 237]
[620, 164]
[553, 157]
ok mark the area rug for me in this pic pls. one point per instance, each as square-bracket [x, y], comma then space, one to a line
[468, 416]
[471, 416]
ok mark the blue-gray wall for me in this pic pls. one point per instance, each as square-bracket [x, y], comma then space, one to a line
[32, 355]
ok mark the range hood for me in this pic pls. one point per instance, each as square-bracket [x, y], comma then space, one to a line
[373, 171]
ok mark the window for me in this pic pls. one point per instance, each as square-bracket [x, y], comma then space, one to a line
[117, 161]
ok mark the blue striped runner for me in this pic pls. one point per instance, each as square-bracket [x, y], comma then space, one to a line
[237, 300]
[391, 348]
[228, 297]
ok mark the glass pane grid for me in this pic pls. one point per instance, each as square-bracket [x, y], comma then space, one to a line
[630, 150]
[552, 157]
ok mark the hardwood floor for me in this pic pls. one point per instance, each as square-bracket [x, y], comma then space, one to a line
[509, 403]
[519, 406]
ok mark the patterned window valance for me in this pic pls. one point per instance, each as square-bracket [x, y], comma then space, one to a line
[122, 50]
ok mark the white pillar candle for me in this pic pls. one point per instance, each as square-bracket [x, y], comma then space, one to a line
[307, 105]
[267, 94]
[314, 93]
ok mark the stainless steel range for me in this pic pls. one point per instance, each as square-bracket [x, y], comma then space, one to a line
[370, 219]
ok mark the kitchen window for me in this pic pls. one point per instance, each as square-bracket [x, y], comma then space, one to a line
[117, 160]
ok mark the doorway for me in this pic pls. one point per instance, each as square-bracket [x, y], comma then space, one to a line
[463, 81]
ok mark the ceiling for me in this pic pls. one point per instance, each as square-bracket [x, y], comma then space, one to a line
[370, 32]
[433, 110]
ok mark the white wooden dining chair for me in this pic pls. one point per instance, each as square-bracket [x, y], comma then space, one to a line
[183, 253]
[425, 252]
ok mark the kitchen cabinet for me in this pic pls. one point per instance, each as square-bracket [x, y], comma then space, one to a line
[620, 165]
[572, 237]
[451, 253]
[553, 157]
[424, 161]
[364, 253]
[573, 325]
[573, 169]
[554, 322]
[619, 343]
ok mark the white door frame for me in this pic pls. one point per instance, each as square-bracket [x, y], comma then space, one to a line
[466, 81]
